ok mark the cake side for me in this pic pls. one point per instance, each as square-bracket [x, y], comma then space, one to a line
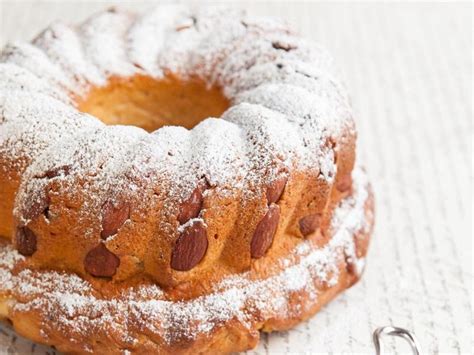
[81, 316]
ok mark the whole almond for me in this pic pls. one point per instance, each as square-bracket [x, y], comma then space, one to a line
[344, 183]
[25, 241]
[190, 247]
[114, 216]
[351, 268]
[275, 189]
[191, 207]
[60, 170]
[40, 204]
[263, 236]
[309, 223]
[284, 46]
[350, 265]
[101, 262]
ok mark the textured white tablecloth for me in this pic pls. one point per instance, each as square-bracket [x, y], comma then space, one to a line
[409, 69]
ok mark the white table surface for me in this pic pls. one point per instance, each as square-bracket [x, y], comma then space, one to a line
[409, 69]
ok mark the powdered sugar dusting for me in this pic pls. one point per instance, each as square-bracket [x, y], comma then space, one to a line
[63, 47]
[142, 51]
[31, 123]
[36, 61]
[72, 306]
[65, 59]
[15, 78]
[107, 31]
[285, 104]
[10, 257]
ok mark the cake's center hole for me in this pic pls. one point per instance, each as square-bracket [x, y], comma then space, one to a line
[150, 104]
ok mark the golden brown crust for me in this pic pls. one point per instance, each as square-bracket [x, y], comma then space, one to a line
[230, 335]
[144, 242]
[176, 240]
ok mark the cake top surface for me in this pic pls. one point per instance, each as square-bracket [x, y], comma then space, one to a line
[279, 85]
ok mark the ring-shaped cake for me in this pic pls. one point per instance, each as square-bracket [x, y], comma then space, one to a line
[174, 182]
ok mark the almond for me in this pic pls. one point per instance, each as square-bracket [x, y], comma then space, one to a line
[55, 172]
[284, 46]
[309, 223]
[350, 265]
[114, 216]
[190, 247]
[344, 183]
[275, 190]
[40, 204]
[25, 241]
[263, 236]
[191, 207]
[351, 269]
[101, 262]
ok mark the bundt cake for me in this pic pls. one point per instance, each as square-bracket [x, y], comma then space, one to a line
[174, 182]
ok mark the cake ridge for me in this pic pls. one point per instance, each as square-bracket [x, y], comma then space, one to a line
[16, 78]
[102, 37]
[32, 58]
[61, 44]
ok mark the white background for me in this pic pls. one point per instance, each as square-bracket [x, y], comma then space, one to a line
[408, 67]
